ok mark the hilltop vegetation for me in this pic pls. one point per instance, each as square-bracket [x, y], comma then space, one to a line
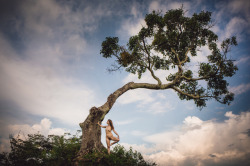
[37, 149]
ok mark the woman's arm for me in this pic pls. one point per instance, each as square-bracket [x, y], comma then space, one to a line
[116, 133]
[101, 125]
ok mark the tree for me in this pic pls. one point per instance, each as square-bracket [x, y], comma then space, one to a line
[167, 42]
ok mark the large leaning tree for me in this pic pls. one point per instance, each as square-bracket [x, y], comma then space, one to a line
[167, 42]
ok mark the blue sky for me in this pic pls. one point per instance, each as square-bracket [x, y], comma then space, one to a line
[52, 74]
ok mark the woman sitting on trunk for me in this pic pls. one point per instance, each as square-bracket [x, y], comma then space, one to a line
[109, 135]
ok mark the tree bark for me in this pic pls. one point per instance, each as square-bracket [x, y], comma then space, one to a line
[91, 132]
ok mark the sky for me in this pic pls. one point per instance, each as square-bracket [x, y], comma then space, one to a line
[52, 73]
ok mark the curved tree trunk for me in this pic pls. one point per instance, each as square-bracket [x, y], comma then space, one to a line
[91, 132]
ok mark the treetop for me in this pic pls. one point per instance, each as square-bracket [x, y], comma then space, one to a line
[168, 41]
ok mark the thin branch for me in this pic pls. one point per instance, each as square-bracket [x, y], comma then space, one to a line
[177, 56]
[193, 96]
[194, 79]
[147, 52]
[154, 76]
[149, 64]
[114, 68]
[186, 57]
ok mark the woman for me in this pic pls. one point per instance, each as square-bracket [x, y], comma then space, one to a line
[109, 135]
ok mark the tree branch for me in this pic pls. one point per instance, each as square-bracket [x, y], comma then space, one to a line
[154, 76]
[146, 50]
[186, 57]
[177, 56]
[194, 79]
[193, 96]
[129, 86]
[149, 64]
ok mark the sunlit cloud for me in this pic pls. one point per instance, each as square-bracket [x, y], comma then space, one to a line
[41, 91]
[198, 142]
[164, 6]
[240, 89]
[137, 95]
[37, 78]
[21, 131]
[243, 60]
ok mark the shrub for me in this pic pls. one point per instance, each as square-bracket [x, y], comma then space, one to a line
[37, 149]
[119, 157]
[55, 150]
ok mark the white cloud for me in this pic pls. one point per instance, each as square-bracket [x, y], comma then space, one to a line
[164, 139]
[164, 6]
[192, 122]
[138, 133]
[239, 6]
[177, 5]
[41, 90]
[136, 95]
[150, 101]
[242, 60]
[139, 148]
[39, 77]
[135, 12]
[240, 89]
[131, 27]
[199, 142]
[236, 27]
[158, 107]
[147, 77]
[125, 122]
[196, 60]
[154, 6]
[237, 11]
[50, 18]
[44, 128]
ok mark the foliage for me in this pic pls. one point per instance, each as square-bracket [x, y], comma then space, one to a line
[37, 149]
[169, 41]
[55, 150]
[118, 157]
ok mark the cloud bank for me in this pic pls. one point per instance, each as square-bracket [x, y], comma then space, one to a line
[44, 128]
[201, 143]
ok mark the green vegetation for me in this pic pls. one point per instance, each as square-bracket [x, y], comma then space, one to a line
[118, 157]
[37, 149]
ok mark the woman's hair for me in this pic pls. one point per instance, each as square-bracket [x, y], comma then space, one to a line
[111, 124]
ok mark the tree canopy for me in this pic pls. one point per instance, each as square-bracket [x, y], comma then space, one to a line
[168, 41]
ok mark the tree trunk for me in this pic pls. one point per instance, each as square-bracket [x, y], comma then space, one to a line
[91, 132]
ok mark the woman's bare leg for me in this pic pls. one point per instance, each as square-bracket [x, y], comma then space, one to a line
[108, 144]
[115, 139]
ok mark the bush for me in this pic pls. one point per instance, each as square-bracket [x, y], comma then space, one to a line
[119, 157]
[55, 150]
[37, 149]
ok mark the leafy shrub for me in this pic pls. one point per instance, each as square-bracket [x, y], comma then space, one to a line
[119, 157]
[55, 150]
[37, 149]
